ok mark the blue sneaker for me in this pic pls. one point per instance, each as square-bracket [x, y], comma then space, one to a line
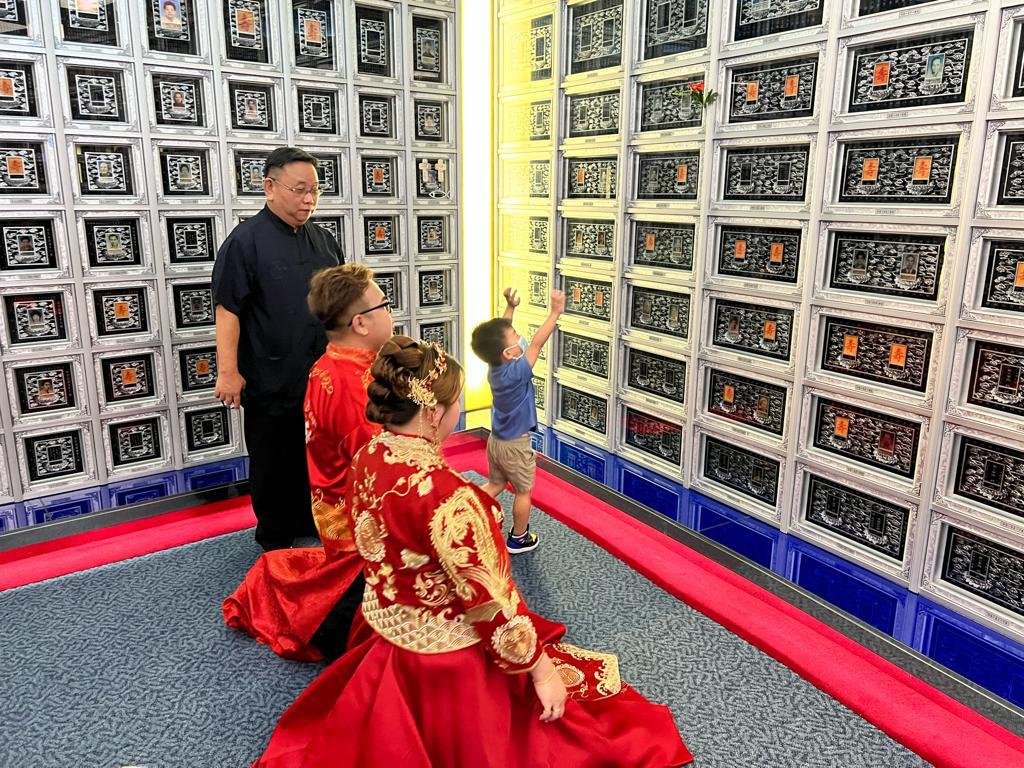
[525, 543]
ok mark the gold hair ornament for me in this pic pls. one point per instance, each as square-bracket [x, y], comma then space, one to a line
[421, 391]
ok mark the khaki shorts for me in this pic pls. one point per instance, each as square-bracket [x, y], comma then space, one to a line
[511, 461]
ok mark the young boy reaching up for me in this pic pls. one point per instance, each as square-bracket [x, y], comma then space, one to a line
[510, 456]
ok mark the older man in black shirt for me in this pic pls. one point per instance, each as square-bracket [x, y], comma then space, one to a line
[267, 340]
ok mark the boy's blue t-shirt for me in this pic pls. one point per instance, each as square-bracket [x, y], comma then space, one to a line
[514, 412]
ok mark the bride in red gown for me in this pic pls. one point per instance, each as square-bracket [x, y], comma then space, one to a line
[448, 667]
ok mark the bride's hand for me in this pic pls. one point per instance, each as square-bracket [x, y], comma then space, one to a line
[550, 690]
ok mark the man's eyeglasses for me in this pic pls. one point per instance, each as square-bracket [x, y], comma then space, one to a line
[386, 304]
[300, 191]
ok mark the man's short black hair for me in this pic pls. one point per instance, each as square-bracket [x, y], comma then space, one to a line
[281, 156]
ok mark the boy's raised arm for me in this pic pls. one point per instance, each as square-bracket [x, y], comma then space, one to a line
[546, 328]
[511, 302]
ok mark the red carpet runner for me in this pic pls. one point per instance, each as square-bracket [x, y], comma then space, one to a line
[941, 730]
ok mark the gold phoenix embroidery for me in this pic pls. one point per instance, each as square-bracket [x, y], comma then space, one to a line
[324, 377]
[369, 535]
[609, 682]
[516, 639]
[417, 629]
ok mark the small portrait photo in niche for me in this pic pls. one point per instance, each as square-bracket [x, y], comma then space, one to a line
[198, 369]
[97, 95]
[433, 234]
[318, 111]
[22, 169]
[207, 428]
[121, 311]
[172, 27]
[252, 107]
[43, 388]
[35, 318]
[373, 41]
[54, 455]
[28, 244]
[89, 21]
[191, 241]
[135, 442]
[430, 120]
[381, 235]
[934, 70]
[193, 306]
[104, 170]
[17, 89]
[379, 176]
[179, 101]
[183, 171]
[113, 243]
[127, 378]
[249, 174]
[376, 116]
[245, 24]
[428, 49]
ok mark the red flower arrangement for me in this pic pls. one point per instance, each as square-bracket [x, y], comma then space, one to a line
[700, 95]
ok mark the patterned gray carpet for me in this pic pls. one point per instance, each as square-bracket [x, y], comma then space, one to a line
[130, 664]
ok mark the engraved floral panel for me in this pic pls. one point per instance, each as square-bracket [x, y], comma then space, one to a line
[777, 90]
[888, 354]
[869, 437]
[753, 328]
[764, 253]
[908, 266]
[756, 404]
[742, 470]
[867, 520]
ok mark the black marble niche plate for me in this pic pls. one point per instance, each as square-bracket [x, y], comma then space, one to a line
[172, 32]
[762, 253]
[185, 171]
[197, 368]
[1011, 171]
[868, 7]
[428, 49]
[668, 105]
[376, 116]
[757, 18]
[96, 94]
[27, 245]
[430, 120]
[660, 311]
[588, 298]
[654, 436]
[997, 377]
[193, 306]
[984, 568]
[55, 455]
[373, 41]
[179, 100]
[596, 36]
[587, 410]
[665, 245]
[907, 266]
[766, 173]
[45, 388]
[990, 474]
[439, 332]
[35, 318]
[334, 226]
[874, 523]
[121, 311]
[128, 377]
[13, 19]
[313, 34]
[674, 26]
[135, 442]
[105, 169]
[113, 243]
[380, 235]
[778, 90]
[911, 72]
[252, 106]
[318, 111]
[741, 470]
[191, 240]
[92, 23]
[656, 375]
[871, 356]
[206, 429]
[589, 239]
[753, 329]
[432, 234]
[746, 401]
[868, 437]
[23, 168]
[896, 162]
[591, 178]
[18, 95]
[540, 45]
[1004, 279]
[247, 30]
[582, 353]
[668, 176]
[593, 114]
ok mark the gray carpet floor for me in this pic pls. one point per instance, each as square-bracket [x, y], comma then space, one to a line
[131, 665]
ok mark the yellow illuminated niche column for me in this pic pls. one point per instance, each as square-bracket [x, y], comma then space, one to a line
[476, 100]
